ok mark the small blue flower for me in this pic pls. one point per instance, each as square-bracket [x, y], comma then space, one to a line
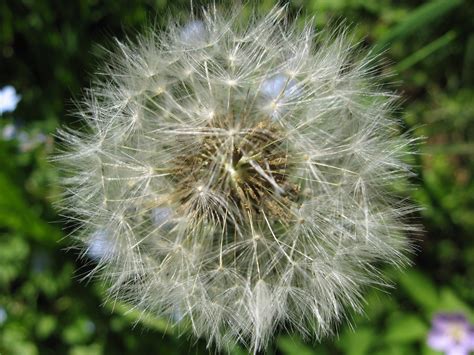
[8, 99]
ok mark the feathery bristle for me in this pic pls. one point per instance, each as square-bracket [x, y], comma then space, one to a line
[239, 178]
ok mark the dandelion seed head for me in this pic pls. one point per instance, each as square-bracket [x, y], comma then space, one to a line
[239, 178]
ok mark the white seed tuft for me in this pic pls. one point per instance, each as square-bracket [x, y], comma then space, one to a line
[239, 178]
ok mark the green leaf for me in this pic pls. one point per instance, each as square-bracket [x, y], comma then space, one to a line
[427, 50]
[14, 253]
[418, 19]
[450, 302]
[19, 215]
[133, 316]
[468, 65]
[94, 349]
[450, 149]
[358, 342]
[420, 289]
[405, 329]
[15, 340]
[397, 349]
[291, 345]
[237, 350]
[426, 350]
[80, 331]
[45, 326]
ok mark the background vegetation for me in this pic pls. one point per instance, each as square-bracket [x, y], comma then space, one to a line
[49, 51]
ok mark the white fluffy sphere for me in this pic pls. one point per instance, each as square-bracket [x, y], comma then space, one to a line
[238, 177]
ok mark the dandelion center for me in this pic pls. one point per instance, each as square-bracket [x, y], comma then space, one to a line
[242, 160]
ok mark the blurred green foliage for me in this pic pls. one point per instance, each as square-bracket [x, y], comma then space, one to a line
[49, 50]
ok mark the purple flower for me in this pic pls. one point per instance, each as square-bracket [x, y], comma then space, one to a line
[451, 333]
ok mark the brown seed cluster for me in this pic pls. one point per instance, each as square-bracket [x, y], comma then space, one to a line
[246, 162]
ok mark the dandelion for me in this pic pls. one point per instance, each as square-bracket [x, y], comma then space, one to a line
[8, 99]
[241, 178]
[452, 334]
